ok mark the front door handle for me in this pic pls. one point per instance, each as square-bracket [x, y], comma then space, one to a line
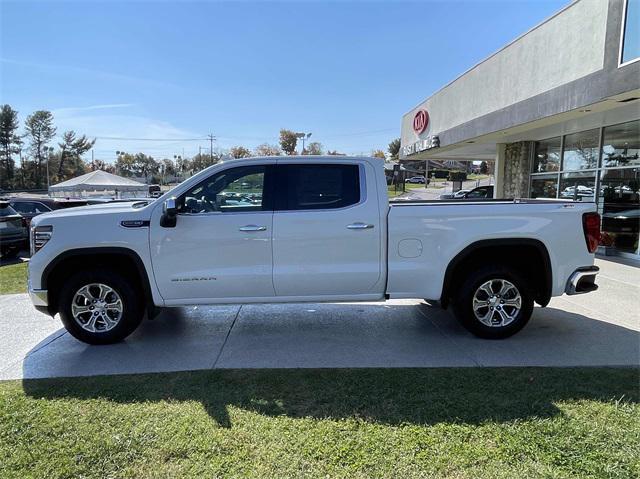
[359, 226]
[252, 228]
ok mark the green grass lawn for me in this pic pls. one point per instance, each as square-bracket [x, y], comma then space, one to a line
[13, 278]
[404, 423]
[474, 176]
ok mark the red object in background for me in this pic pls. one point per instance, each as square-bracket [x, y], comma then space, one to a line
[591, 227]
[420, 121]
[606, 239]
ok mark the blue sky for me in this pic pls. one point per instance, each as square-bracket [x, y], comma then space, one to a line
[345, 71]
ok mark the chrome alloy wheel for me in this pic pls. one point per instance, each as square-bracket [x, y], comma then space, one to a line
[97, 308]
[496, 303]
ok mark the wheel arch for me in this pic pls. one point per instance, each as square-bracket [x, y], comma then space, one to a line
[125, 258]
[539, 264]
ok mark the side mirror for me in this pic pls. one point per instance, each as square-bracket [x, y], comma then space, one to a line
[169, 213]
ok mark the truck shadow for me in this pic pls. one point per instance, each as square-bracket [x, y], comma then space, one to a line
[307, 384]
[388, 396]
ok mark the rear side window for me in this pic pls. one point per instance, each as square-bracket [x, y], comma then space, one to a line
[312, 187]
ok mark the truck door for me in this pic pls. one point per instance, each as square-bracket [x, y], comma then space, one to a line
[220, 247]
[326, 230]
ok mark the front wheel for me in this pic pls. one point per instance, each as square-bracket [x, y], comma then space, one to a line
[99, 306]
[494, 302]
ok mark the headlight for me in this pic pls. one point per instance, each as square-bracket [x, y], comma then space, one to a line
[40, 235]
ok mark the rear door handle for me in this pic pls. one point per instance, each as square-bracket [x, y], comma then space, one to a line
[252, 228]
[359, 226]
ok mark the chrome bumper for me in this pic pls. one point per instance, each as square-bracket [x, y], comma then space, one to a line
[39, 297]
[582, 280]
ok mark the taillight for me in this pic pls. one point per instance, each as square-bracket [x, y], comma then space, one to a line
[591, 227]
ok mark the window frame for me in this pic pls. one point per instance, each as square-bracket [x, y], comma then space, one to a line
[623, 25]
[268, 199]
[282, 187]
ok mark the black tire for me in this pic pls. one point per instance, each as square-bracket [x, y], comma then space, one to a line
[463, 302]
[132, 305]
[9, 252]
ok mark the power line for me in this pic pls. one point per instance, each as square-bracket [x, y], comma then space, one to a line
[144, 139]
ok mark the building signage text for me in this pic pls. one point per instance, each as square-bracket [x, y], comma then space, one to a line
[421, 145]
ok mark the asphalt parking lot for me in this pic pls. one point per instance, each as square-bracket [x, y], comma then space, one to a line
[599, 329]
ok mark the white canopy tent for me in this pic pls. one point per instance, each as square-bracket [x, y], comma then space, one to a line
[100, 183]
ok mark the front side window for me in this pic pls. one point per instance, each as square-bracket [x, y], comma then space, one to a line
[233, 190]
[581, 150]
[547, 156]
[326, 186]
[621, 144]
[631, 32]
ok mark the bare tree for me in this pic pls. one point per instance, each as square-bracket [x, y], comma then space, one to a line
[240, 152]
[267, 150]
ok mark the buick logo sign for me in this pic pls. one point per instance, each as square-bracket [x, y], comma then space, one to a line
[420, 121]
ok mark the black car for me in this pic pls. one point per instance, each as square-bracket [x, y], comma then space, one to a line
[479, 193]
[30, 207]
[13, 231]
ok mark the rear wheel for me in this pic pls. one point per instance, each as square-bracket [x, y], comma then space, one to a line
[99, 306]
[493, 302]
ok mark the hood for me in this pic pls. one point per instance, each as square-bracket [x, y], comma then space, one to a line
[129, 210]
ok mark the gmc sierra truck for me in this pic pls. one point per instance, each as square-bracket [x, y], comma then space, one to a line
[306, 229]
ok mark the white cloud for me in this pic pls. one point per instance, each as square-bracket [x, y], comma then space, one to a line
[73, 109]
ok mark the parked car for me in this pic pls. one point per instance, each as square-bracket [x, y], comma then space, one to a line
[416, 179]
[479, 193]
[454, 196]
[13, 231]
[578, 193]
[29, 207]
[323, 230]
[624, 222]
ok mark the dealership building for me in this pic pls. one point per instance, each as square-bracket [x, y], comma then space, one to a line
[557, 110]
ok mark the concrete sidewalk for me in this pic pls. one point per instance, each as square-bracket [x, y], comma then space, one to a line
[599, 329]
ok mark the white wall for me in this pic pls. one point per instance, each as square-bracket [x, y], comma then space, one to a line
[564, 48]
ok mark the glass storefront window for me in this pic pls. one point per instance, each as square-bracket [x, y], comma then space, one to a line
[547, 155]
[631, 32]
[581, 150]
[620, 208]
[578, 186]
[544, 186]
[621, 144]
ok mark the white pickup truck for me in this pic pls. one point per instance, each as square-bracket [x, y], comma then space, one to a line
[306, 229]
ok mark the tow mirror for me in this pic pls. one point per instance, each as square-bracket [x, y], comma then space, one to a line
[169, 213]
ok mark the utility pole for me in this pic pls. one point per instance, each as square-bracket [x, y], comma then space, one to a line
[211, 138]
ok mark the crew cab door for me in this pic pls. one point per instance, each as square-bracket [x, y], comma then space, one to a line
[326, 230]
[220, 247]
